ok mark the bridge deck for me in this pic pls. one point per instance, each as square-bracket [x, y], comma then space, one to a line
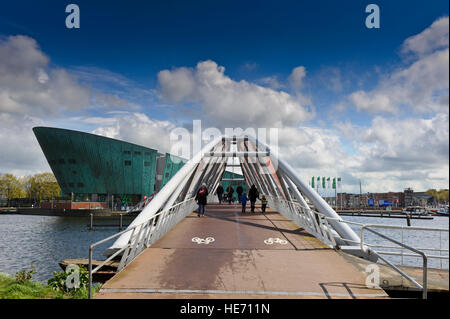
[238, 263]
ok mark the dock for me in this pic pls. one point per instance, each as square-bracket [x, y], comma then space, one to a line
[230, 254]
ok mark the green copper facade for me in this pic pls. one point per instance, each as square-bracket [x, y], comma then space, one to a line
[230, 175]
[172, 165]
[90, 164]
[97, 168]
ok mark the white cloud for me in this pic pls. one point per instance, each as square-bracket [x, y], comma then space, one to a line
[29, 86]
[136, 128]
[227, 103]
[409, 144]
[20, 152]
[433, 38]
[422, 86]
[297, 76]
[272, 82]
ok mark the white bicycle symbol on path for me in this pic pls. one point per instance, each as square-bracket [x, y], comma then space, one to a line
[205, 241]
[271, 241]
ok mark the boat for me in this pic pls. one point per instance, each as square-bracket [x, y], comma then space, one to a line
[443, 211]
[415, 210]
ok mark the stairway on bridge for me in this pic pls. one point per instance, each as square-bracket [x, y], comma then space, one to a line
[229, 254]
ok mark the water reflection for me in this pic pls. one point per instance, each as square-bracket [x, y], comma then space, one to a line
[44, 241]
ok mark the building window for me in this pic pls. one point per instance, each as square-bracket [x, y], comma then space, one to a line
[137, 153]
[167, 174]
[71, 185]
[168, 165]
[127, 152]
[61, 161]
[72, 161]
[74, 172]
[127, 163]
[146, 163]
[80, 185]
[147, 153]
[52, 162]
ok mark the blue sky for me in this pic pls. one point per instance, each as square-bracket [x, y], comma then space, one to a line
[122, 47]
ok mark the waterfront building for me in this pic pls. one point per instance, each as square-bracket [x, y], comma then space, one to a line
[104, 172]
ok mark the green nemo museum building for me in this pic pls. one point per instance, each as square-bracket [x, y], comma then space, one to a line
[93, 168]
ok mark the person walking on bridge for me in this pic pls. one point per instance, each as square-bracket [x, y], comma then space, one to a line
[243, 200]
[219, 193]
[201, 196]
[253, 194]
[230, 192]
[239, 191]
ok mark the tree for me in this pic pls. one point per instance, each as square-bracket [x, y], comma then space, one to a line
[42, 186]
[440, 196]
[11, 187]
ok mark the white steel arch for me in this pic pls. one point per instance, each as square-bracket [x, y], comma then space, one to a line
[285, 190]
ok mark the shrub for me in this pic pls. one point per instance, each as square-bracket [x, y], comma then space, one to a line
[59, 280]
[24, 275]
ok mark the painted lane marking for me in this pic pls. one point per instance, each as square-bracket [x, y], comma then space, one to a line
[271, 241]
[205, 241]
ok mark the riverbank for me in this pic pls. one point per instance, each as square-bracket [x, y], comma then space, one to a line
[10, 288]
[61, 212]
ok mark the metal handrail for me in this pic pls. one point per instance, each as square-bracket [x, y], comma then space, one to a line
[134, 240]
[321, 221]
[424, 257]
[415, 250]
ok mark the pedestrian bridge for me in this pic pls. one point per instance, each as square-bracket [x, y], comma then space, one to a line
[293, 250]
[230, 254]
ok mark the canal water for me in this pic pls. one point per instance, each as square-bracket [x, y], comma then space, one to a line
[44, 241]
[419, 239]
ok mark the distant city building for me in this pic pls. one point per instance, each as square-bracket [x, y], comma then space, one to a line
[394, 199]
[422, 199]
[408, 196]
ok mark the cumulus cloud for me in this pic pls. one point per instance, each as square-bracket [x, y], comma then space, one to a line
[136, 128]
[29, 86]
[433, 38]
[421, 86]
[408, 144]
[225, 102]
[20, 152]
[297, 76]
[272, 82]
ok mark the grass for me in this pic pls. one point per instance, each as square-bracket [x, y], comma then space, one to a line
[11, 289]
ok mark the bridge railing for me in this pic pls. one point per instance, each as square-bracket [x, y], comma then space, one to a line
[416, 252]
[317, 225]
[142, 236]
[312, 221]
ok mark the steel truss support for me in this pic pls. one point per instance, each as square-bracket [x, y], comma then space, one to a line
[260, 166]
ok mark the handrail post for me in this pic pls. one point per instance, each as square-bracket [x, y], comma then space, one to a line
[361, 238]
[92, 221]
[90, 272]
[425, 280]
[120, 227]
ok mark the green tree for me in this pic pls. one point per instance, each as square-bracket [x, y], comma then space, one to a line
[11, 187]
[42, 186]
[443, 196]
[440, 196]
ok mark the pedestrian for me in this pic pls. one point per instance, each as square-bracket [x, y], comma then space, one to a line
[201, 196]
[230, 192]
[253, 195]
[239, 191]
[243, 200]
[263, 203]
[220, 193]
